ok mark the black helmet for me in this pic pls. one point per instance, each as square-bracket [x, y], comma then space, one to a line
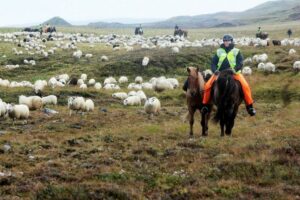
[228, 38]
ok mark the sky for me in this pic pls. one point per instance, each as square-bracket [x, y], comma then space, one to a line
[19, 12]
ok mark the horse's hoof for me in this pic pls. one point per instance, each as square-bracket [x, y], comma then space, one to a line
[191, 136]
[204, 135]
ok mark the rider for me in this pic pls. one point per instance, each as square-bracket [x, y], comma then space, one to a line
[228, 57]
[259, 30]
[176, 27]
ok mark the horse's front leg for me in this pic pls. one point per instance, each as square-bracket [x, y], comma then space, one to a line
[191, 119]
[222, 124]
[204, 123]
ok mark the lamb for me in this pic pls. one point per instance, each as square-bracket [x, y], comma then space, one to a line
[52, 82]
[296, 66]
[120, 95]
[123, 79]
[247, 71]
[147, 86]
[132, 101]
[80, 82]
[138, 80]
[33, 102]
[145, 61]
[175, 50]
[49, 100]
[39, 86]
[65, 77]
[98, 86]
[111, 87]
[142, 95]
[88, 56]
[152, 106]
[260, 58]
[17, 111]
[248, 61]
[134, 86]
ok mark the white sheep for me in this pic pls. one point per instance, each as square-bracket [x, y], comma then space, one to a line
[39, 86]
[98, 86]
[110, 80]
[270, 67]
[145, 61]
[76, 104]
[174, 82]
[83, 86]
[77, 54]
[80, 82]
[147, 86]
[52, 82]
[261, 66]
[33, 102]
[292, 52]
[142, 95]
[152, 106]
[89, 105]
[83, 77]
[134, 86]
[49, 100]
[120, 95]
[296, 66]
[104, 58]
[123, 79]
[138, 80]
[132, 101]
[162, 84]
[17, 111]
[3, 109]
[111, 87]
[247, 71]
[91, 82]
[88, 56]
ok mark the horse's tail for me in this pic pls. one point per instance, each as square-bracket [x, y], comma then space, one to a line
[226, 87]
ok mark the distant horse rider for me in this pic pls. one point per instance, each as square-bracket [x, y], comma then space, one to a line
[176, 27]
[259, 31]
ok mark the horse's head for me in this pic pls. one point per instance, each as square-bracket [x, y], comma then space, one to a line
[193, 80]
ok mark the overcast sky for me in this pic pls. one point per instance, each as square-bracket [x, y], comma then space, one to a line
[19, 12]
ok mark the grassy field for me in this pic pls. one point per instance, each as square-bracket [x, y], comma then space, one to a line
[122, 154]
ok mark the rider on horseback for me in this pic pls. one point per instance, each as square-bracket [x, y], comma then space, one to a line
[228, 57]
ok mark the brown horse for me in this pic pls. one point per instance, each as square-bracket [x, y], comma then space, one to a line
[194, 94]
[227, 95]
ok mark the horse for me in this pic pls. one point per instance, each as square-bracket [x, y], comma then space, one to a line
[180, 32]
[194, 94]
[50, 29]
[138, 31]
[28, 29]
[227, 95]
[262, 35]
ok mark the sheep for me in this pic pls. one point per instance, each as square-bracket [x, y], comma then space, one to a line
[83, 77]
[248, 61]
[174, 82]
[120, 95]
[145, 61]
[147, 86]
[91, 82]
[80, 82]
[98, 86]
[49, 100]
[3, 110]
[296, 66]
[39, 86]
[52, 82]
[247, 71]
[83, 86]
[4, 83]
[88, 56]
[17, 111]
[73, 81]
[152, 106]
[134, 86]
[138, 80]
[270, 67]
[260, 58]
[77, 54]
[104, 58]
[292, 52]
[111, 87]
[132, 101]
[65, 77]
[33, 102]
[261, 66]
[89, 105]
[142, 95]
[110, 80]
[162, 84]
[123, 79]
[175, 50]
[76, 104]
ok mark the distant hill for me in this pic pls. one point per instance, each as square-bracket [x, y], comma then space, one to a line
[271, 11]
[57, 21]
